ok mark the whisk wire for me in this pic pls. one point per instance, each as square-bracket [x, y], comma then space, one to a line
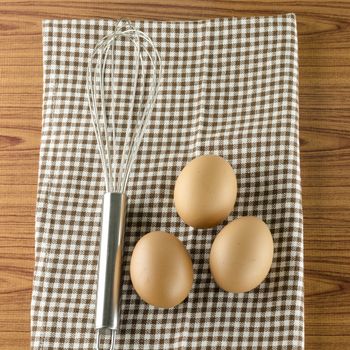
[138, 114]
[143, 123]
[104, 115]
[93, 110]
[126, 151]
[113, 119]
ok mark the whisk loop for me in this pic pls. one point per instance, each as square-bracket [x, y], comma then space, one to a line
[98, 339]
[103, 82]
[102, 65]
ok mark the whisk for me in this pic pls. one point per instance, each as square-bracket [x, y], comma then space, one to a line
[104, 81]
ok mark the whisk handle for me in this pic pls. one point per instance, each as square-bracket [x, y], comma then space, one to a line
[110, 261]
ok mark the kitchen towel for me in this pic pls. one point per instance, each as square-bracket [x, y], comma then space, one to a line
[229, 87]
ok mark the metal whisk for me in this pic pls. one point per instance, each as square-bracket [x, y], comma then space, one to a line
[104, 82]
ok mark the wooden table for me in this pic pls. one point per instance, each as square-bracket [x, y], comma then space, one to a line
[324, 41]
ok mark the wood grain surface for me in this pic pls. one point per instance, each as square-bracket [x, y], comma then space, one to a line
[324, 50]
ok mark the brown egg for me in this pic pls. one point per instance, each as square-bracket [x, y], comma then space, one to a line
[161, 269]
[241, 254]
[205, 191]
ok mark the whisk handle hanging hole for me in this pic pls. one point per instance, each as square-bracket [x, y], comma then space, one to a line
[110, 261]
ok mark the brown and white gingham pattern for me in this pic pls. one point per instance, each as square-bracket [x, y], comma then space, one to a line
[230, 87]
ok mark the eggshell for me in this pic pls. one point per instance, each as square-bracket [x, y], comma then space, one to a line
[241, 254]
[205, 191]
[161, 269]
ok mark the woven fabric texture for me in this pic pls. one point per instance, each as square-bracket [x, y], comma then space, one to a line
[230, 87]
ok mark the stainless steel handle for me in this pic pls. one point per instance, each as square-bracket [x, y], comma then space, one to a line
[110, 261]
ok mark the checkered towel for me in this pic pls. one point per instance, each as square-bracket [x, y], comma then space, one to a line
[230, 87]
